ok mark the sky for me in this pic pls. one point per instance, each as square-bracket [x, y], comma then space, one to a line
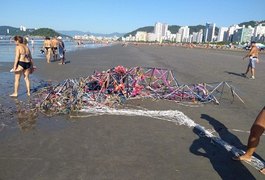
[107, 16]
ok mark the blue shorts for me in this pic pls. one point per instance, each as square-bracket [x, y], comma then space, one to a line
[252, 62]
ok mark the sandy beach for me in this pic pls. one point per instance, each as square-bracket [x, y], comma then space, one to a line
[122, 147]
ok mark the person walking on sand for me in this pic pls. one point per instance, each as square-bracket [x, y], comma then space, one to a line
[22, 64]
[253, 59]
[47, 47]
[256, 131]
[61, 50]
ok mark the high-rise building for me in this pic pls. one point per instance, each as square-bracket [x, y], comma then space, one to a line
[200, 36]
[259, 29]
[208, 35]
[178, 37]
[222, 34]
[259, 33]
[185, 32]
[151, 37]
[141, 36]
[23, 28]
[160, 30]
[194, 36]
[243, 35]
[230, 32]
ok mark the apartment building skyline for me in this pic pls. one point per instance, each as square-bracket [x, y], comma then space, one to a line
[233, 33]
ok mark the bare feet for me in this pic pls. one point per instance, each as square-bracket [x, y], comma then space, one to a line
[262, 171]
[28, 94]
[242, 158]
[13, 95]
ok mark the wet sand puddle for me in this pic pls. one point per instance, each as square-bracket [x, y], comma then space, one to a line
[19, 113]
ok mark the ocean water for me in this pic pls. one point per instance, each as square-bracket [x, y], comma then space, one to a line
[7, 48]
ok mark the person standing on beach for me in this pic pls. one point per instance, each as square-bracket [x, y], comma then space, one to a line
[22, 65]
[253, 58]
[47, 47]
[32, 43]
[256, 131]
[61, 50]
[54, 44]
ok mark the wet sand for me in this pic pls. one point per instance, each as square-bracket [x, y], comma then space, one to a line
[119, 147]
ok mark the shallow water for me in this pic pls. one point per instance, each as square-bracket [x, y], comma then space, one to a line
[18, 114]
[7, 48]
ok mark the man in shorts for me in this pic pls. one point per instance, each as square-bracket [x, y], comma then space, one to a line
[253, 59]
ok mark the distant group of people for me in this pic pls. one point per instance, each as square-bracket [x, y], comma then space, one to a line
[55, 47]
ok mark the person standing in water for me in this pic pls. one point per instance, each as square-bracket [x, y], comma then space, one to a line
[61, 50]
[47, 47]
[54, 45]
[22, 64]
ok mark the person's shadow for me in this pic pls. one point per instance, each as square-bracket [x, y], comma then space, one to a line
[235, 74]
[218, 156]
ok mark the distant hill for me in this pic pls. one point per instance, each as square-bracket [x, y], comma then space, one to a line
[45, 32]
[29, 32]
[75, 32]
[251, 23]
[173, 29]
[146, 29]
[14, 31]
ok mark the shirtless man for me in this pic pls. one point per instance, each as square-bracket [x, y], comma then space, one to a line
[253, 58]
[256, 131]
[47, 47]
[54, 45]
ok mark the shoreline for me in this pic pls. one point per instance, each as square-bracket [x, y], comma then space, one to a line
[138, 147]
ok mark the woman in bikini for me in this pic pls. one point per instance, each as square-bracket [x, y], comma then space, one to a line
[48, 48]
[22, 63]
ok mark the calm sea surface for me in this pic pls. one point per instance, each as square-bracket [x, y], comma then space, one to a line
[7, 48]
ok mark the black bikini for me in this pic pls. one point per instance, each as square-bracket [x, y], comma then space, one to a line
[25, 65]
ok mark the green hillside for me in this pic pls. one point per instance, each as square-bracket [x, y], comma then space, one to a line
[251, 23]
[44, 32]
[146, 29]
[173, 29]
[29, 32]
[13, 31]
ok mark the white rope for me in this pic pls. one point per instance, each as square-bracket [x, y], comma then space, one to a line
[178, 118]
